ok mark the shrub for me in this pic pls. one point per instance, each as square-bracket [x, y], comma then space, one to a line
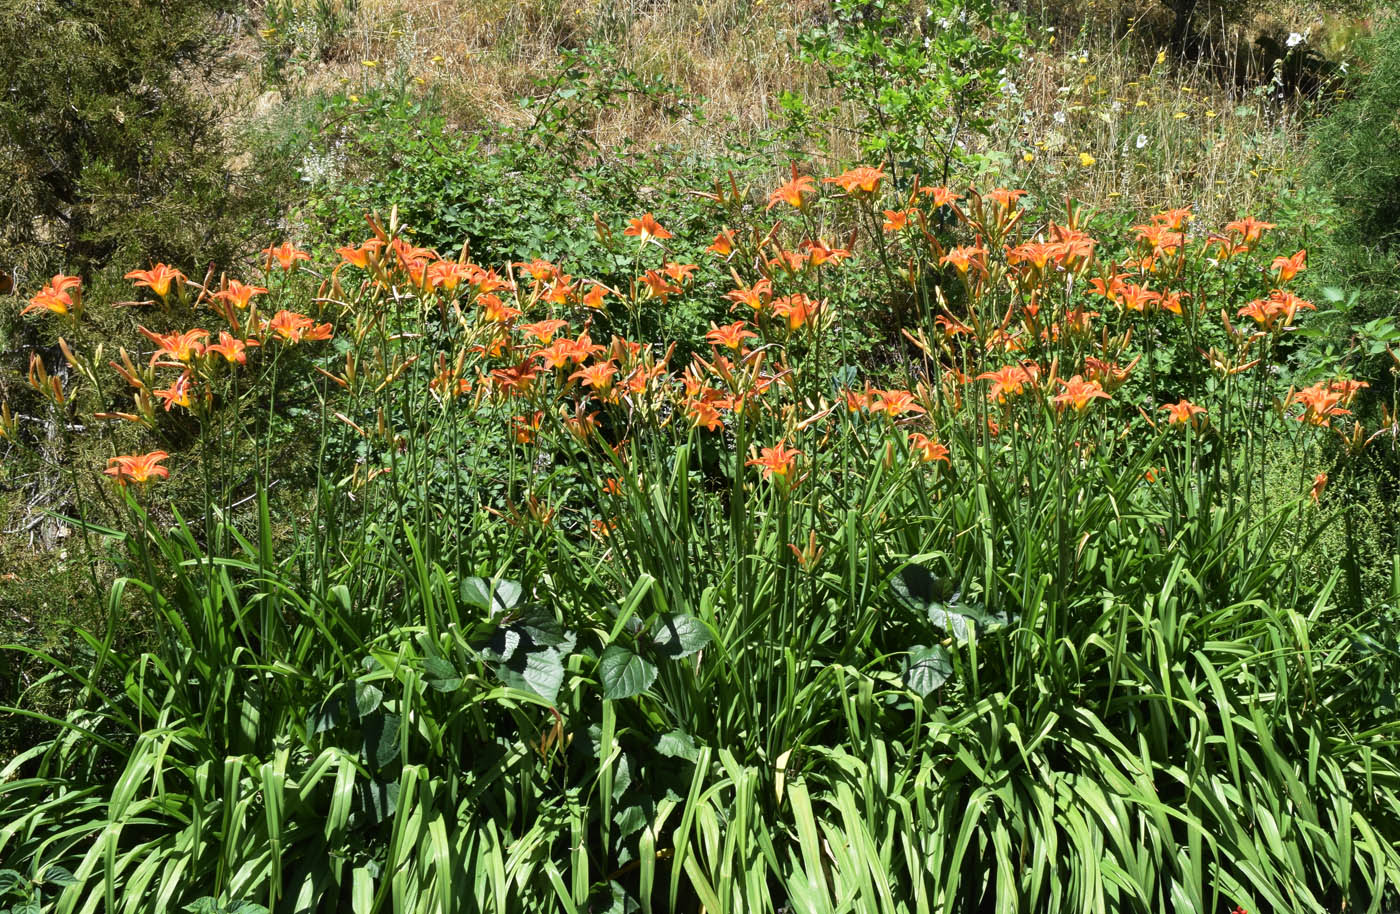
[917, 82]
[108, 146]
[1357, 168]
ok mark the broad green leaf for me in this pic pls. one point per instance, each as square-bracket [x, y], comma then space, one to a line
[381, 742]
[680, 635]
[479, 592]
[440, 674]
[677, 744]
[623, 673]
[927, 669]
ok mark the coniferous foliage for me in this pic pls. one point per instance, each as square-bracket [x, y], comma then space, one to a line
[109, 140]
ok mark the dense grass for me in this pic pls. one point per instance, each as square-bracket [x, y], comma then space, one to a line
[551, 642]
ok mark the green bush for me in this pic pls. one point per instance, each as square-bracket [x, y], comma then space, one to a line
[918, 80]
[1356, 150]
[109, 144]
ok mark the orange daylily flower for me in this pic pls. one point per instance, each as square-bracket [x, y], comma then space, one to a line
[1320, 403]
[1278, 310]
[819, 252]
[797, 308]
[723, 245]
[560, 291]
[966, 257]
[496, 311]
[1110, 375]
[294, 328]
[231, 348]
[62, 295]
[447, 275]
[1005, 199]
[237, 294]
[1184, 412]
[594, 297]
[408, 253]
[555, 355]
[364, 256]
[1010, 381]
[182, 347]
[538, 269]
[526, 429]
[137, 468]
[951, 326]
[1173, 219]
[499, 345]
[1249, 228]
[703, 415]
[1134, 297]
[1289, 267]
[777, 460]
[731, 335]
[581, 425]
[928, 449]
[942, 196]
[1348, 388]
[598, 376]
[516, 379]
[646, 228]
[792, 192]
[544, 330]
[1079, 394]
[1160, 237]
[896, 219]
[860, 180]
[159, 279]
[286, 255]
[1171, 301]
[448, 382]
[1319, 483]
[177, 394]
[659, 287]
[894, 403]
[756, 296]
[680, 272]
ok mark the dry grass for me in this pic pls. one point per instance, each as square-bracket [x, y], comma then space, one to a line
[1095, 116]
[736, 56]
[1097, 121]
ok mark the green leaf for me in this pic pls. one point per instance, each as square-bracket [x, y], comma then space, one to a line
[54, 874]
[630, 819]
[381, 739]
[373, 802]
[479, 592]
[440, 674]
[680, 635]
[544, 629]
[918, 588]
[623, 673]
[677, 744]
[368, 698]
[544, 673]
[540, 671]
[927, 669]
